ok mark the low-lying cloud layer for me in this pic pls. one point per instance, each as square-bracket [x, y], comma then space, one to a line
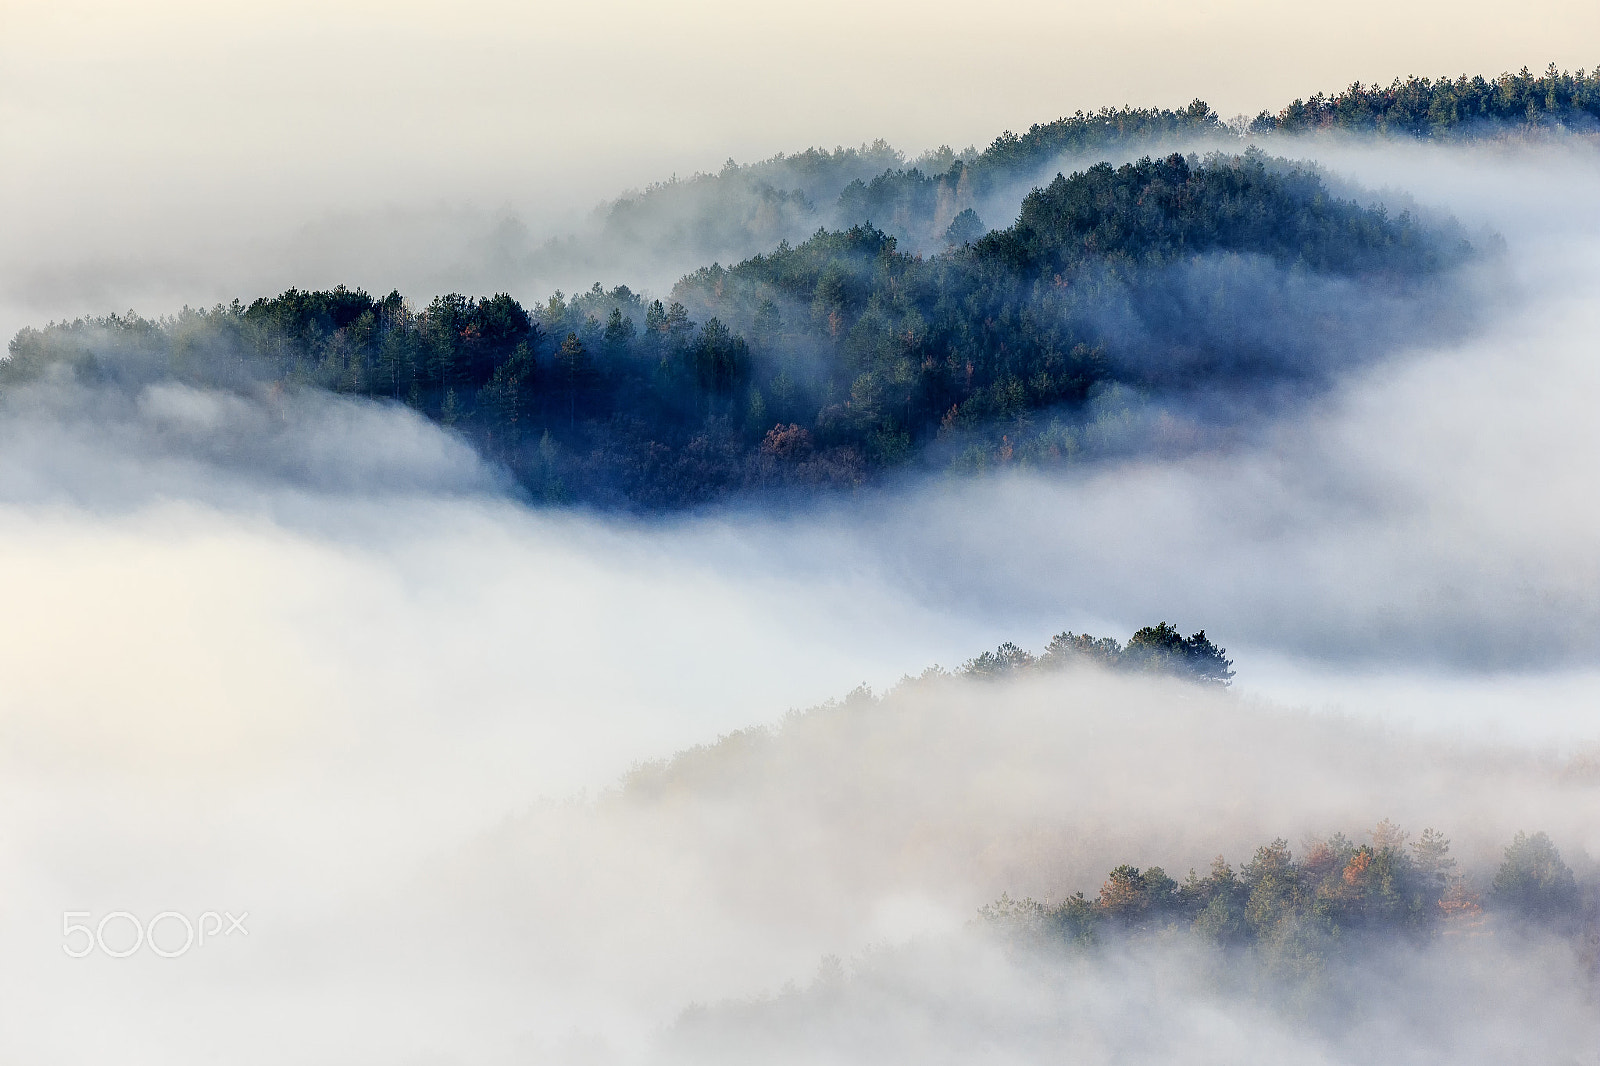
[580, 929]
[312, 659]
[1470, 1001]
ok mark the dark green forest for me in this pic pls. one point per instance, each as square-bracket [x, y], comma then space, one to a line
[1158, 305]
[833, 362]
[1450, 108]
[940, 198]
[926, 204]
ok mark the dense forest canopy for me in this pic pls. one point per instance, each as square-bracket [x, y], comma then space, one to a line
[1170, 274]
[1147, 305]
[924, 203]
[1460, 107]
[916, 201]
[935, 199]
[833, 361]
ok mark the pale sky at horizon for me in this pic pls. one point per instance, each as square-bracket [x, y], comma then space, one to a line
[142, 132]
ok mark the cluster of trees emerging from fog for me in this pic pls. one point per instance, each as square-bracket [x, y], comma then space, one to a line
[828, 362]
[1296, 909]
[1157, 649]
[938, 198]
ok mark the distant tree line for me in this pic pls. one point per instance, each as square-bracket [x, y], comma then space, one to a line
[1460, 107]
[932, 204]
[927, 202]
[1299, 932]
[936, 200]
[916, 201]
[1297, 909]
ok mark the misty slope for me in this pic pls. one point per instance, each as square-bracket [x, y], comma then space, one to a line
[1332, 951]
[742, 210]
[1118, 296]
[877, 829]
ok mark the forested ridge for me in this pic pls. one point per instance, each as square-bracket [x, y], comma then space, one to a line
[1151, 305]
[1038, 343]
[924, 202]
[829, 363]
[1450, 108]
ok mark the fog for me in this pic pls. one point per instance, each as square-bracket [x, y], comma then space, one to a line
[316, 660]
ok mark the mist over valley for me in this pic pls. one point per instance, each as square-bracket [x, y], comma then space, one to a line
[1126, 593]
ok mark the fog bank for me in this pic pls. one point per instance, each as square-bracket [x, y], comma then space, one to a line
[315, 659]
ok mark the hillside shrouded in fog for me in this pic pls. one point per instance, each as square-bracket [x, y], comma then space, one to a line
[551, 678]
[1162, 306]
[1117, 299]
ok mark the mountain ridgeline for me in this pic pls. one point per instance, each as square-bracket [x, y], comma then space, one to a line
[1463, 107]
[1120, 300]
[923, 202]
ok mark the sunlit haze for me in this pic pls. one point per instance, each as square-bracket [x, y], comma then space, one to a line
[1125, 593]
[167, 153]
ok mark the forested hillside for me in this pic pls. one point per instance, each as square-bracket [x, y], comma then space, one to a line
[1156, 304]
[922, 202]
[1450, 108]
[1118, 296]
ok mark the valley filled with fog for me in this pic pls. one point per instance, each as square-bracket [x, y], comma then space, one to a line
[321, 659]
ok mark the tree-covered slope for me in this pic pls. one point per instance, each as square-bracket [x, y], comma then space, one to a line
[1448, 108]
[742, 209]
[1159, 278]
[924, 202]
[830, 362]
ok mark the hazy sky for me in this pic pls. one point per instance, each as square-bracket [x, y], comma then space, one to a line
[490, 96]
[137, 132]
